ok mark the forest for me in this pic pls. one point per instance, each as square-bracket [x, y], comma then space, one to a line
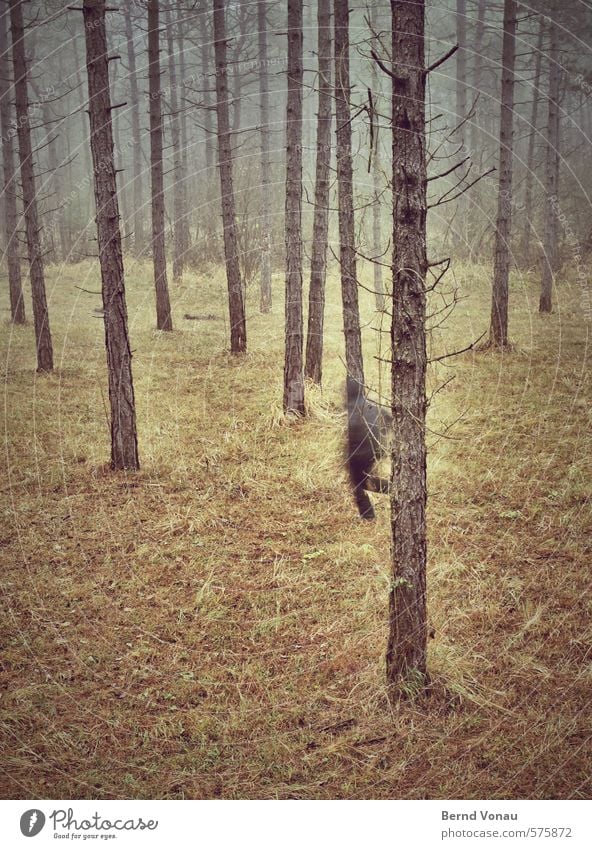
[295, 310]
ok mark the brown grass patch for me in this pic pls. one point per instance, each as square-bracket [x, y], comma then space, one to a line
[215, 625]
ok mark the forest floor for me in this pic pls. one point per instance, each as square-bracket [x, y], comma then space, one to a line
[215, 625]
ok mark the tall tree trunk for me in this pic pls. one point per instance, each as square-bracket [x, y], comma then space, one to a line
[17, 303]
[164, 320]
[179, 188]
[550, 254]
[124, 440]
[205, 75]
[265, 297]
[54, 182]
[83, 148]
[461, 228]
[293, 367]
[237, 72]
[376, 186]
[347, 251]
[478, 76]
[236, 306]
[527, 231]
[318, 264]
[138, 220]
[477, 139]
[185, 231]
[32, 227]
[211, 237]
[406, 650]
[503, 234]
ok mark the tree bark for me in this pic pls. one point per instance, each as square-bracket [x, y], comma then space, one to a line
[406, 650]
[265, 301]
[32, 227]
[503, 234]
[236, 307]
[318, 264]
[17, 303]
[527, 232]
[550, 252]
[138, 217]
[164, 320]
[124, 440]
[347, 251]
[179, 187]
[293, 366]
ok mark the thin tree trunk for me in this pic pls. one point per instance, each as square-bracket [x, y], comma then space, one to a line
[293, 366]
[17, 303]
[136, 137]
[120, 161]
[164, 319]
[477, 76]
[377, 229]
[179, 199]
[376, 185]
[124, 440]
[236, 306]
[211, 238]
[477, 140]
[550, 253]
[32, 227]
[184, 224]
[54, 181]
[205, 75]
[347, 253]
[461, 229]
[237, 72]
[527, 232]
[266, 296]
[501, 268]
[406, 650]
[318, 264]
[83, 148]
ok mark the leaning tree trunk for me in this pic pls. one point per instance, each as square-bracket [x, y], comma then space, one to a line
[138, 217]
[265, 296]
[318, 263]
[293, 367]
[550, 255]
[236, 306]
[347, 251]
[124, 441]
[527, 231]
[17, 303]
[32, 227]
[179, 187]
[501, 268]
[406, 651]
[164, 320]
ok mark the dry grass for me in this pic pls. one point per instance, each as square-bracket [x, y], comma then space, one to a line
[215, 625]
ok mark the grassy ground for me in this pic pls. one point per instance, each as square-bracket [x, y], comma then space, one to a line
[215, 625]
